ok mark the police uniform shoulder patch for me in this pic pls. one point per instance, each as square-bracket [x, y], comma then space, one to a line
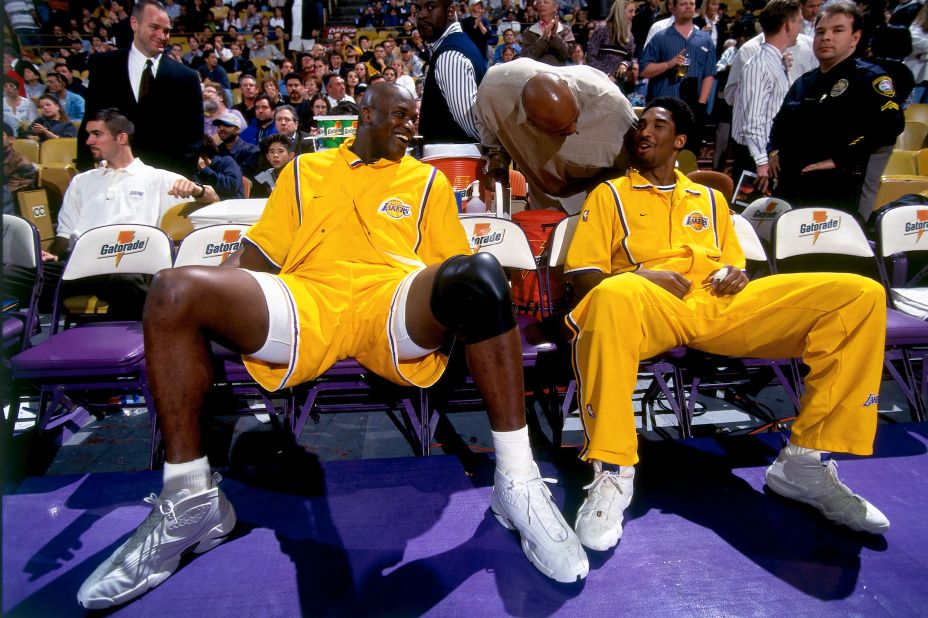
[884, 86]
[839, 87]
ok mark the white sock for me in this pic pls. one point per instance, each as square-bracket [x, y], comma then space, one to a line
[513, 453]
[794, 450]
[191, 475]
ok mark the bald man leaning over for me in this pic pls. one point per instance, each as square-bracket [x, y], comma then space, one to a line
[563, 126]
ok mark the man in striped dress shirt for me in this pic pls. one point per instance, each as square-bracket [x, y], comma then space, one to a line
[764, 83]
[456, 68]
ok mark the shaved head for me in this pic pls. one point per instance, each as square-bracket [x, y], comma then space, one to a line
[551, 105]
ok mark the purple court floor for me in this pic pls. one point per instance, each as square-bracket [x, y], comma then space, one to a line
[413, 536]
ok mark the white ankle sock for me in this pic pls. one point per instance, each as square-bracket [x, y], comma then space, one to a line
[794, 450]
[191, 475]
[513, 453]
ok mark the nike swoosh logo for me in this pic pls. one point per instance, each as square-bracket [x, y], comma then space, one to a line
[643, 214]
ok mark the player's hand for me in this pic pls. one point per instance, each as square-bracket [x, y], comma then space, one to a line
[827, 164]
[726, 281]
[49, 257]
[498, 167]
[675, 283]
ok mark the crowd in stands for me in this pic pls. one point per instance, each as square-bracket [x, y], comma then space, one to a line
[243, 49]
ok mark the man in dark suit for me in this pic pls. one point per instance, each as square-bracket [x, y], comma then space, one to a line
[285, 117]
[161, 96]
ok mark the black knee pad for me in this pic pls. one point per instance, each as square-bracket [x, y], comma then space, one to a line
[471, 297]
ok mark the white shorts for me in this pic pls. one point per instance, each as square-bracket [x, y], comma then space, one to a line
[278, 346]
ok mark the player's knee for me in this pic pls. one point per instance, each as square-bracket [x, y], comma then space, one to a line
[471, 297]
[171, 293]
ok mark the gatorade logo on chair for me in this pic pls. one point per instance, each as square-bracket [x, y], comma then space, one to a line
[820, 225]
[918, 226]
[231, 242]
[769, 212]
[395, 208]
[484, 236]
[126, 243]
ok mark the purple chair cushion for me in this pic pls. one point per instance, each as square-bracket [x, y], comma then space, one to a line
[12, 329]
[903, 329]
[90, 349]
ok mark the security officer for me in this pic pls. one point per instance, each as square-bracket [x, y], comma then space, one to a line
[833, 118]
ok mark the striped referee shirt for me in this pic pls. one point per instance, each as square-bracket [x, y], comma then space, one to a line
[457, 81]
[760, 94]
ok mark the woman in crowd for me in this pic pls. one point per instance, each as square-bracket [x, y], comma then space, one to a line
[271, 89]
[360, 70]
[549, 39]
[708, 20]
[34, 86]
[52, 122]
[278, 19]
[18, 112]
[351, 83]
[612, 45]
[319, 105]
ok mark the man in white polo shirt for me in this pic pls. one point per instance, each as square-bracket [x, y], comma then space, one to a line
[122, 190]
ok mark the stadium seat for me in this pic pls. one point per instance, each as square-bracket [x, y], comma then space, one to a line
[902, 162]
[845, 239]
[59, 150]
[894, 187]
[913, 136]
[99, 356]
[27, 148]
[715, 180]
[687, 162]
[917, 112]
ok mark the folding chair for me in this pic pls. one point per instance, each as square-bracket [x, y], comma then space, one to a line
[99, 356]
[59, 150]
[22, 277]
[825, 233]
[899, 243]
[762, 213]
[211, 246]
[660, 368]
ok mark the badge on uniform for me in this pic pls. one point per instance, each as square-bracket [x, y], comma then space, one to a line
[839, 88]
[884, 85]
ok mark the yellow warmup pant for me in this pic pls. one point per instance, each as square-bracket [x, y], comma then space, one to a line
[835, 322]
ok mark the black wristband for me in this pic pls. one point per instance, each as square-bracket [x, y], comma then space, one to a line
[202, 191]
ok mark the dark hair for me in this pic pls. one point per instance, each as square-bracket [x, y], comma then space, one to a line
[267, 98]
[328, 77]
[140, 7]
[9, 80]
[842, 7]
[293, 75]
[116, 122]
[320, 97]
[276, 138]
[777, 13]
[683, 120]
[62, 115]
[53, 74]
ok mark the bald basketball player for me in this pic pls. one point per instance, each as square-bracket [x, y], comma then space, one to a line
[564, 127]
[375, 266]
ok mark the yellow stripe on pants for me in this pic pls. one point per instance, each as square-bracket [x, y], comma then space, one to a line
[835, 322]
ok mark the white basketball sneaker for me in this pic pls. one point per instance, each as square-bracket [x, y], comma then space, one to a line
[548, 542]
[176, 524]
[599, 520]
[800, 474]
